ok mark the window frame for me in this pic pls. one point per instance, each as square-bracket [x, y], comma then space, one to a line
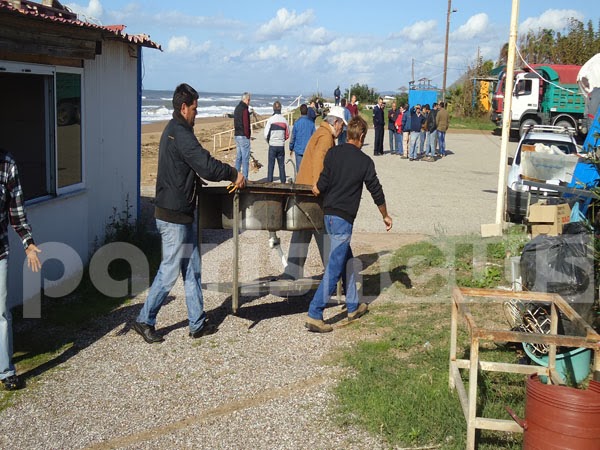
[51, 146]
[81, 185]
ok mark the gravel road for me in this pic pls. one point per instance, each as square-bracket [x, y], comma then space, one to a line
[262, 381]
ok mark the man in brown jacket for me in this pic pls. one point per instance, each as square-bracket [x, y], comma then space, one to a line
[442, 121]
[308, 173]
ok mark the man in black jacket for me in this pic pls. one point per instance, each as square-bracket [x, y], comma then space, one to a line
[345, 169]
[378, 124]
[181, 162]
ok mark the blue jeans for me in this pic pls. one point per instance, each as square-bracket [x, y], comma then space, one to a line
[431, 141]
[399, 145]
[179, 254]
[7, 367]
[413, 144]
[393, 141]
[276, 153]
[442, 141]
[242, 157]
[422, 142]
[339, 265]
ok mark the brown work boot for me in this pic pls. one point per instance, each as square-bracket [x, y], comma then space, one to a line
[317, 326]
[361, 311]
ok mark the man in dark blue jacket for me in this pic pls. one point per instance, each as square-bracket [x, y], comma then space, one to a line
[302, 130]
[416, 123]
[181, 163]
[378, 124]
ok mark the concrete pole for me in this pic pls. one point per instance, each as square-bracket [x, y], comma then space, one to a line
[496, 229]
[446, 50]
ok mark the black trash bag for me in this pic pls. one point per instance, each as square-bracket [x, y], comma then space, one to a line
[563, 265]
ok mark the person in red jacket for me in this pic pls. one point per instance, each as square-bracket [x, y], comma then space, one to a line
[399, 138]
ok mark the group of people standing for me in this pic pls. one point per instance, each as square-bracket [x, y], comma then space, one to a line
[414, 133]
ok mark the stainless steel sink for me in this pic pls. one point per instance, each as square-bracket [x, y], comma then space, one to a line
[262, 206]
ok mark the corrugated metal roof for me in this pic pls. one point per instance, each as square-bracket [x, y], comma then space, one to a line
[32, 9]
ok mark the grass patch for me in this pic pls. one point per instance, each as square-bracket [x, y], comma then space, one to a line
[432, 267]
[398, 384]
[472, 123]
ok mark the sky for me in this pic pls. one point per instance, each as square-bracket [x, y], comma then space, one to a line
[305, 47]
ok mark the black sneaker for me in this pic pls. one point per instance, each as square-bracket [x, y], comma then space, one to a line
[12, 383]
[147, 332]
[204, 331]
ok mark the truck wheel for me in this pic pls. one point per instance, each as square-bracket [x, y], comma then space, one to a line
[563, 123]
[527, 123]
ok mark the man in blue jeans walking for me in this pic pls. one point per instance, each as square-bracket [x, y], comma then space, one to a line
[345, 169]
[181, 161]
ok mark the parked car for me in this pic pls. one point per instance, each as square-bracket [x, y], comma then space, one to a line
[549, 147]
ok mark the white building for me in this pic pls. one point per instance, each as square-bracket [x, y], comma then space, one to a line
[70, 105]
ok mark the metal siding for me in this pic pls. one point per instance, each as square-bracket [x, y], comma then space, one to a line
[111, 141]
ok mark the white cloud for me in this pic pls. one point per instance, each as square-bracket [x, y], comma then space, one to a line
[356, 60]
[318, 36]
[268, 53]
[417, 31]
[92, 12]
[476, 25]
[555, 19]
[283, 22]
[182, 44]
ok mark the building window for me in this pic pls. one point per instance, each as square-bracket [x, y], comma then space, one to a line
[40, 124]
[68, 129]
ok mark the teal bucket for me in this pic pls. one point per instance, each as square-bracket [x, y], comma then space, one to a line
[573, 365]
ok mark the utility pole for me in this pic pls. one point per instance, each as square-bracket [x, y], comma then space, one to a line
[446, 50]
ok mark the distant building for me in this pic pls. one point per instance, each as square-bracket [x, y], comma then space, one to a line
[70, 105]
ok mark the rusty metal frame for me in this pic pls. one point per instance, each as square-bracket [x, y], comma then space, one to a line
[460, 308]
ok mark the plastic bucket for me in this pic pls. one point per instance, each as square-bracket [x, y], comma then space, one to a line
[560, 417]
[573, 365]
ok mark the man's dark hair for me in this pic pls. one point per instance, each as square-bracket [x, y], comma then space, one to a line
[303, 109]
[184, 93]
[442, 105]
[343, 102]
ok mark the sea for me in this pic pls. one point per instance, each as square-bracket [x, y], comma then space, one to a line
[157, 105]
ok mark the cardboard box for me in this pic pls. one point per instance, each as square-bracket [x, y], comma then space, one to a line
[548, 219]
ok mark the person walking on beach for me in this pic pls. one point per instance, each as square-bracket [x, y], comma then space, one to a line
[442, 121]
[345, 169]
[378, 124]
[12, 210]
[302, 130]
[312, 164]
[242, 131]
[277, 131]
[181, 162]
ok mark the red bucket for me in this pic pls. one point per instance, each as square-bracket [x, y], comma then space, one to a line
[560, 417]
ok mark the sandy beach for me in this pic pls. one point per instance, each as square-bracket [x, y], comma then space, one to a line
[204, 129]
